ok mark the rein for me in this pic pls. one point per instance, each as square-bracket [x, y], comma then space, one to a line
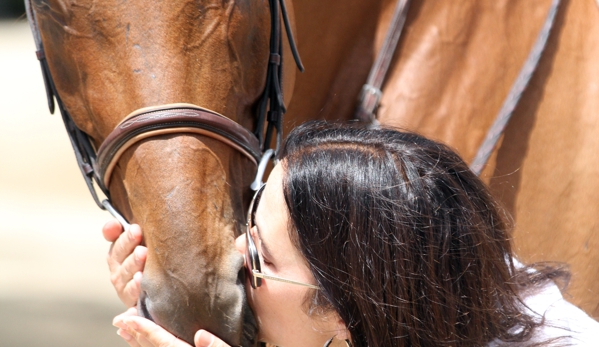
[177, 118]
[511, 101]
[371, 94]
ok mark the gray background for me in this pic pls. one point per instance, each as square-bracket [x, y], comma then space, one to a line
[54, 287]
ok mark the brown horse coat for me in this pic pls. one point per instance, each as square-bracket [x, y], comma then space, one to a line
[455, 63]
[454, 66]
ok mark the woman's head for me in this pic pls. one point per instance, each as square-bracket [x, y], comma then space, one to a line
[279, 306]
[405, 241]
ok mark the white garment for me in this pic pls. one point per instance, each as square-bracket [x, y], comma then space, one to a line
[562, 319]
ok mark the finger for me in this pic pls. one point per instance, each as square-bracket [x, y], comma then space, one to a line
[123, 330]
[118, 321]
[130, 294]
[126, 278]
[111, 230]
[127, 337]
[124, 245]
[149, 334]
[204, 338]
[133, 264]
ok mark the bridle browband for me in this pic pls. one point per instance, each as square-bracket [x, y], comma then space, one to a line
[178, 118]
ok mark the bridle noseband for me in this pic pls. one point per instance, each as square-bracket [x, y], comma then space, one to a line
[178, 118]
[172, 119]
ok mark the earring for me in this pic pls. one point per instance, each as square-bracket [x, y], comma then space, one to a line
[328, 343]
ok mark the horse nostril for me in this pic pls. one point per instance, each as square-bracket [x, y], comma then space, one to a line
[142, 308]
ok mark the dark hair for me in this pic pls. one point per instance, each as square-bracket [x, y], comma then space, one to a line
[407, 244]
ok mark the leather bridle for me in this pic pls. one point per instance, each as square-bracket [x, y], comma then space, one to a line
[178, 118]
[185, 118]
[171, 119]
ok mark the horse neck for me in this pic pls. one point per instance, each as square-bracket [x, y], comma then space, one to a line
[337, 41]
[455, 65]
[428, 75]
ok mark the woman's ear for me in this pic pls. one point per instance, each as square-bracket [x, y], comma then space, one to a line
[341, 330]
[344, 336]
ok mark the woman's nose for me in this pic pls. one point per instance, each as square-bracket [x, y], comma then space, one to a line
[241, 244]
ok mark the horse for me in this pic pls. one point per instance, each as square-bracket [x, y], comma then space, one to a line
[453, 66]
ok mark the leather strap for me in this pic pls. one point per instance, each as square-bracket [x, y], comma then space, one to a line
[39, 52]
[371, 94]
[271, 106]
[171, 119]
[82, 147]
[511, 101]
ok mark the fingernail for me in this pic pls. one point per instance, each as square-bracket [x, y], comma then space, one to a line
[132, 233]
[140, 252]
[135, 230]
[204, 339]
[118, 322]
[131, 324]
[137, 277]
[122, 333]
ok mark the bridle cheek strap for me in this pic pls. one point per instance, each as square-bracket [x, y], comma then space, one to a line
[171, 119]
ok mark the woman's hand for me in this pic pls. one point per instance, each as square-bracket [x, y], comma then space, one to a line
[126, 259]
[140, 332]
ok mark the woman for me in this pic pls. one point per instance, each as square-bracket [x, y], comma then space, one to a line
[374, 237]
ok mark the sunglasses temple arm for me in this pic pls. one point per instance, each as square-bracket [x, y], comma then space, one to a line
[275, 278]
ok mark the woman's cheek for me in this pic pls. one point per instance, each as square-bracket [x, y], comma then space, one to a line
[279, 313]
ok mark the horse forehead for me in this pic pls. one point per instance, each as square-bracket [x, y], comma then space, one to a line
[98, 15]
[111, 57]
[167, 38]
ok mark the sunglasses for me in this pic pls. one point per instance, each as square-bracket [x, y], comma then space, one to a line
[252, 256]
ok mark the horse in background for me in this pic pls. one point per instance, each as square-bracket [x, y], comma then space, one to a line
[454, 65]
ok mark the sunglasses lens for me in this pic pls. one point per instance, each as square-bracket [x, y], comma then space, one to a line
[248, 262]
[251, 253]
[252, 260]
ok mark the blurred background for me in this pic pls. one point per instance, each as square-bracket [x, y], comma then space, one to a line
[54, 286]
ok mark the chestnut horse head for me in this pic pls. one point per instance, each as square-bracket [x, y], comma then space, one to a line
[187, 189]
